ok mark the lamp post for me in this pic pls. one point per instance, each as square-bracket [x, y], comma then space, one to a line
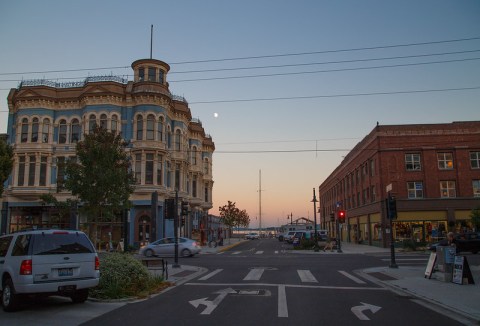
[291, 218]
[314, 200]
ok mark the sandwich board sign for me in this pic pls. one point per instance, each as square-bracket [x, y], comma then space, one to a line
[461, 271]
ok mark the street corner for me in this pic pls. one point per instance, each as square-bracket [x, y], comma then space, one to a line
[184, 273]
[231, 245]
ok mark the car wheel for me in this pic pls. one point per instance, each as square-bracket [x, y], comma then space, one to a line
[10, 300]
[80, 296]
[149, 253]
[186, 253]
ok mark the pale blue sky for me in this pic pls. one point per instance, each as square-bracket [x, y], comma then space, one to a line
[62, 35]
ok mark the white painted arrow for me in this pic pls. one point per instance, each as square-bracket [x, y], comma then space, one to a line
[211, 305]
[358, 310]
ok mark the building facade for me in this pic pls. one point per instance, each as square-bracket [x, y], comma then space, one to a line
[170, 151]
[432, 170]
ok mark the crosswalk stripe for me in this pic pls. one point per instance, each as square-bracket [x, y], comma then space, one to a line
[209, 275]
[306, 276]
[353, 278]
[254, 275]
[259, 252]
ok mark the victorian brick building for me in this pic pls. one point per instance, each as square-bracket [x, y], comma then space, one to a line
[433, 171]
[169, 150]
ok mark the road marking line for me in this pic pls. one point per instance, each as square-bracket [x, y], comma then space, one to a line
[254, 275]
[353, 278]
[206, 277]
[306, 276]
[259, 252]
[276, 251]
[282, 302]
[299, 286]
[236, 252]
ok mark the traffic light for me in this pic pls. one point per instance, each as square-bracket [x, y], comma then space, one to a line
[391, 207]
[170, 209]
[341, 216]
[185, 208]
[332, 217]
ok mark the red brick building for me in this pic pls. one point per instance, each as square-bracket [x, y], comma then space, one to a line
[433, 170]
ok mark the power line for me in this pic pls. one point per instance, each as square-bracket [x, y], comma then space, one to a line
[334, 95]
[324, 62]
[258, 57]
[323, 71]
[291, 73]
[338, 95]
[330, 51]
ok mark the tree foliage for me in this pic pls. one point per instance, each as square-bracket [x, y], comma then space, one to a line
[232, 216]
[475, 215]
[6, 162]
[100, 176]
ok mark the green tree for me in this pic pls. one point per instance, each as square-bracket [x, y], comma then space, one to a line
[475, 215]
[100, 177]
[232, 216]
[6, 162]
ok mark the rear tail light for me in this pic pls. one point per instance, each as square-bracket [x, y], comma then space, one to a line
[26, 267]
[97, 263]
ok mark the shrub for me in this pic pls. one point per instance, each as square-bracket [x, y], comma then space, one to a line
[122, 276]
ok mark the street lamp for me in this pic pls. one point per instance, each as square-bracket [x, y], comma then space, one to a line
[314, 200]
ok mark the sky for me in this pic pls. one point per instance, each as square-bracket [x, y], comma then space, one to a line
[291, 86]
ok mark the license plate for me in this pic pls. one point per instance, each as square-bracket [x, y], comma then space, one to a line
[65, 272]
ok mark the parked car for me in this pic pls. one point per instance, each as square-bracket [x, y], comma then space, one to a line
[252, 236]
[286, 236]
[464, 242]
[47, 262]
[166, 247]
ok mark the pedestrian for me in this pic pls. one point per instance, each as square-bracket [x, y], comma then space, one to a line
[451, 239]
[330, 244]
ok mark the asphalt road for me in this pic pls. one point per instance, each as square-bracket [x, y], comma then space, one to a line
[257, 282]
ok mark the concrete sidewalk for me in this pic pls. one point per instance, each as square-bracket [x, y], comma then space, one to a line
[460, 302]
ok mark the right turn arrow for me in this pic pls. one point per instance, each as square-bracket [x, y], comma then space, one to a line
[358, 310]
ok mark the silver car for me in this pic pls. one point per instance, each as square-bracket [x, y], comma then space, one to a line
[47, 262]
[166, 247]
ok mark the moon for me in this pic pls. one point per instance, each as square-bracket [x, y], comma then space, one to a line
[215, 115]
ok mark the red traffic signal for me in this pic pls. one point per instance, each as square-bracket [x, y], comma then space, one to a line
[341, 216]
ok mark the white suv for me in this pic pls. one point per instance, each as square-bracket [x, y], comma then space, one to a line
[47, 262]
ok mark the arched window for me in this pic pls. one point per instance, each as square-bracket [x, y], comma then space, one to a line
[151, 127]
[24, 136]
[45, 130]
[75, 131]
[34, 130]
[114, 123]
[62, 132]
[178, 140]
[92, 123]
[160, 129]
[139, 127]
[103, 121]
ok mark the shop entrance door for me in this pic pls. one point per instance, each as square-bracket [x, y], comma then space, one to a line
[144, 226]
